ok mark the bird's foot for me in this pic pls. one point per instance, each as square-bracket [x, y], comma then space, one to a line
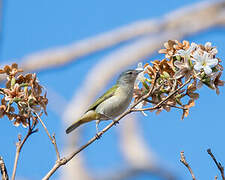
[115, 122]
[97, 136]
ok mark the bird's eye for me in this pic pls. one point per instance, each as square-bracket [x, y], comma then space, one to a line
[130, 72]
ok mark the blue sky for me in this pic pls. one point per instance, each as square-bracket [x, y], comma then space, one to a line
[31, 26]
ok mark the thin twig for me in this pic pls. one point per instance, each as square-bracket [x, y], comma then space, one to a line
[171, 105]
[3, 169]
[19, 146]
[52, 138]
[218, 164]
[178, 107]
[164, 100]
[183, 160]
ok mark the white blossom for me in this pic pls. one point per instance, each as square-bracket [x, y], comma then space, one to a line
[140, 77]
[212, 50]
[187, 53]
[204, 62]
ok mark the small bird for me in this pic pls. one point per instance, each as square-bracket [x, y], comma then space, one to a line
[111, 104]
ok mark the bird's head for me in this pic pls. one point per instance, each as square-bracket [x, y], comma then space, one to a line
[128, 77]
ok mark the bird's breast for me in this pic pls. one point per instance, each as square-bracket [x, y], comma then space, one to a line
[117, 104]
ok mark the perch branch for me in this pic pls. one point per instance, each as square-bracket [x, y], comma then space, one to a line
[64, 160]
[218, 164]
[183, 160]
[175, 26]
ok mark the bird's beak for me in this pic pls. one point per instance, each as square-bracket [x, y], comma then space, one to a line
[139, 71]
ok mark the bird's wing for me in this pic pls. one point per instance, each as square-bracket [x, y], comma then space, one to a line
[105, 96]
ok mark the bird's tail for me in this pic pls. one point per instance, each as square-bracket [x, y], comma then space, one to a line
[73, 126]
[87, 117]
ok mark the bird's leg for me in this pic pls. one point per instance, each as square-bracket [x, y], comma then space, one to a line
[97, 123]
[97, 130]
[115, 122]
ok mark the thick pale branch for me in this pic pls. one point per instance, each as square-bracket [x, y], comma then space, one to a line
[137, 154]
[131, 172]
[133, 145]
[200, 14]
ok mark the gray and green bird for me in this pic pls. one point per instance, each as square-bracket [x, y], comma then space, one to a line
[111, 104]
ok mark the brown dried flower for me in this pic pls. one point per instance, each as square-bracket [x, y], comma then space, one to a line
[172, 46]
[187, 107]
[217, 82]
[21, 96]
[11, 70]
[187, 63]
[209, 49]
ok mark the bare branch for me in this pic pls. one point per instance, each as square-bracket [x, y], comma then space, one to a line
[183, 160]
[19, 146]
[52, 138]
[133, 145]
[171, 105]
[218, 164]
[3, 169]
[137, 153]
[78, 167]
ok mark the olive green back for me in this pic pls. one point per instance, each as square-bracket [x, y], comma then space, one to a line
[105, 96]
